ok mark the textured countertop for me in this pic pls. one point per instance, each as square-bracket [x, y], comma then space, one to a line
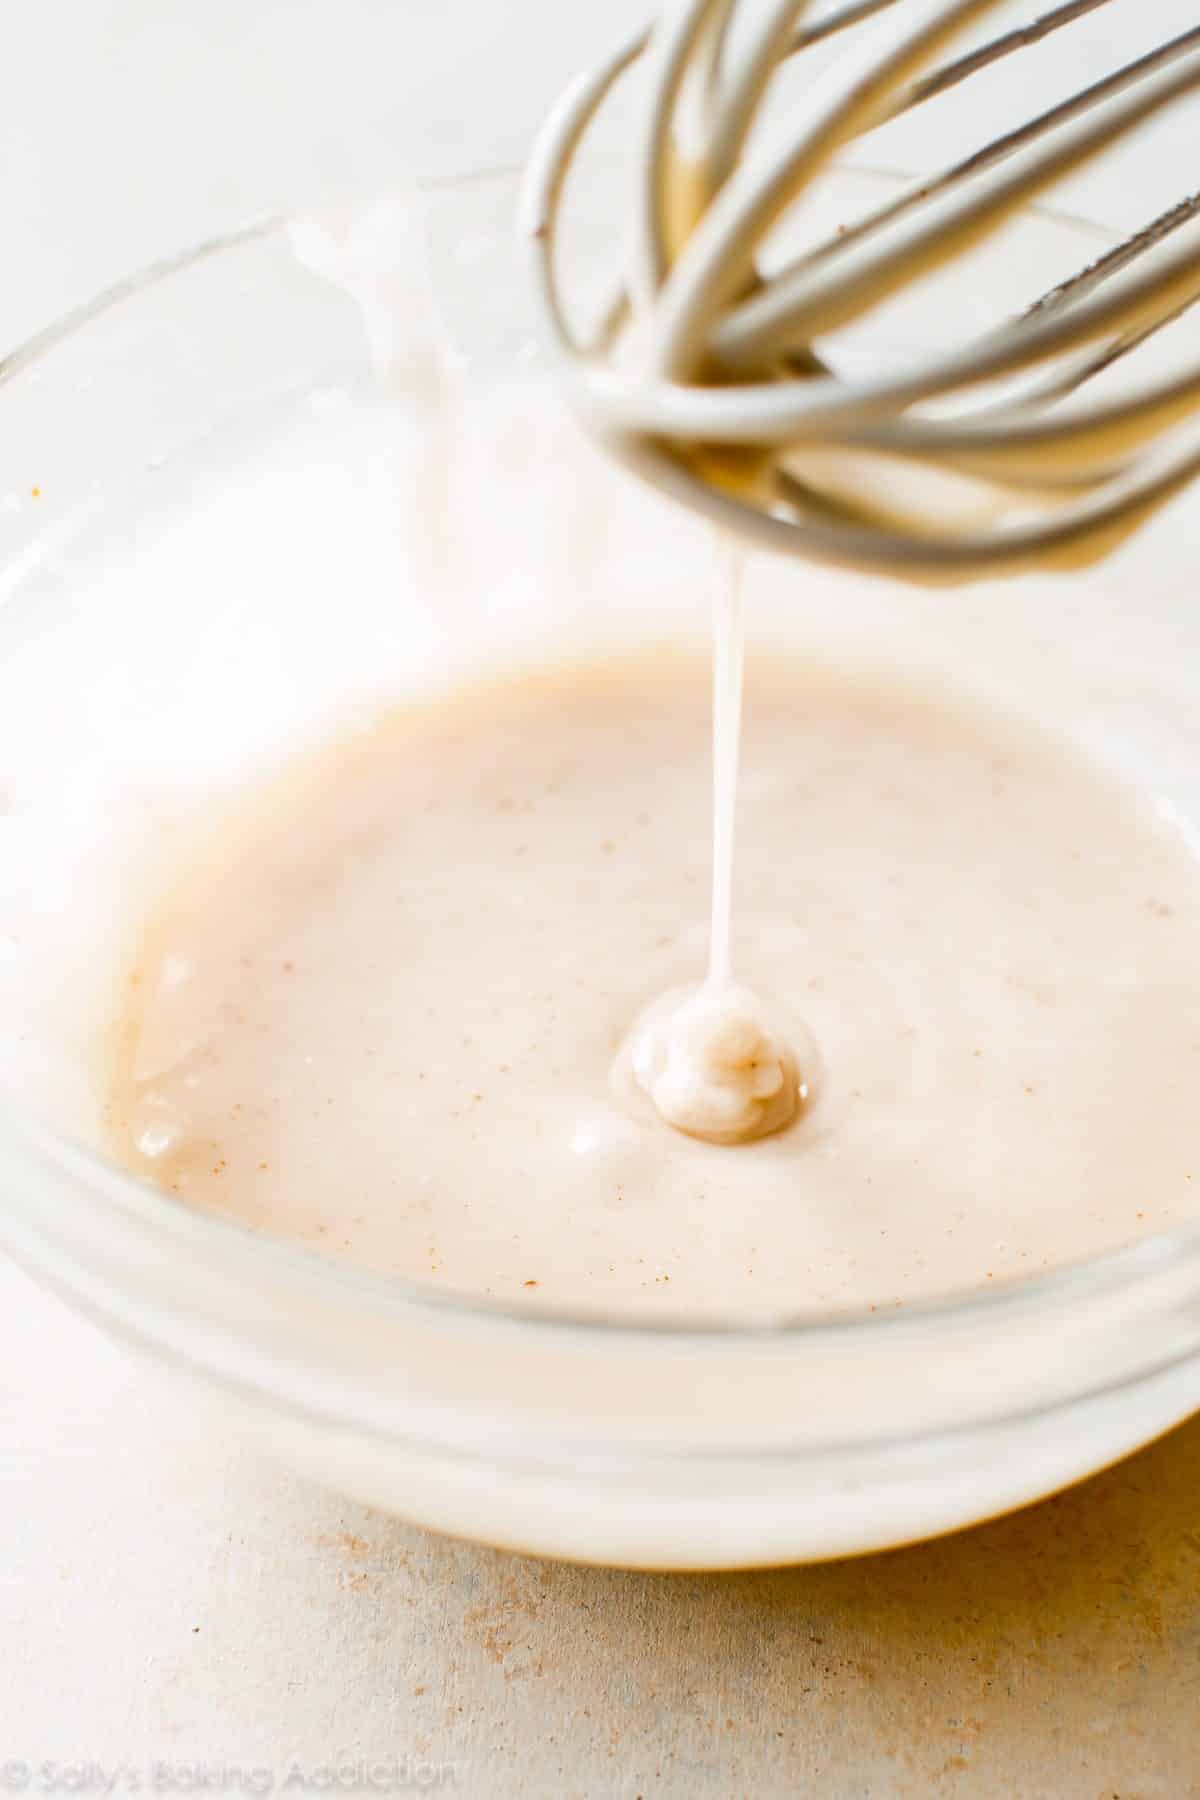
[177, 1615]
[168, 1599]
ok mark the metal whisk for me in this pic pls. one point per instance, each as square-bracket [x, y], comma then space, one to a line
[718, 381]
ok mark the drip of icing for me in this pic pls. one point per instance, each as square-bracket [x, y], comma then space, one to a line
[707, 1057]
[713, 1067]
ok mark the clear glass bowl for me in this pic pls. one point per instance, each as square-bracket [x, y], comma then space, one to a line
[199, 535]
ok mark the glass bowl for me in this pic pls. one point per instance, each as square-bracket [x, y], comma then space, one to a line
[206, 556]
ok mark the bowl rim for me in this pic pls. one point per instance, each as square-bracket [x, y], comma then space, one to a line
[1121, 1270]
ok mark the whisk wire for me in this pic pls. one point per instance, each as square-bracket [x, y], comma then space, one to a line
[805, 302]
[725, 352]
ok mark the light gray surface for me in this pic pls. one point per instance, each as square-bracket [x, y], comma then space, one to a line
[132, 127]
[167, 1596]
